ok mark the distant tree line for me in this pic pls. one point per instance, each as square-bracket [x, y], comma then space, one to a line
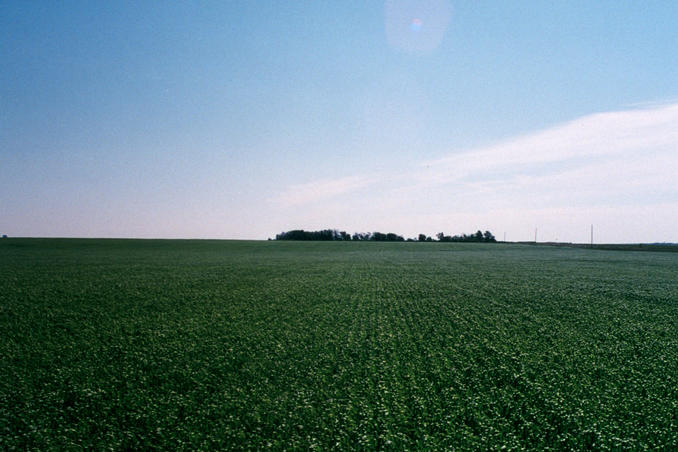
[477, 237]
[325, 234]
[335, 235]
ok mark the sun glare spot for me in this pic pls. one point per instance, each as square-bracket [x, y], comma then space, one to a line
[404, 23]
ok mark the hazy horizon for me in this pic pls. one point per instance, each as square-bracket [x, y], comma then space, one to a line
[240, 120]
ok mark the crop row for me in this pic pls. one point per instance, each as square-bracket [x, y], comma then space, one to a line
[254, 345]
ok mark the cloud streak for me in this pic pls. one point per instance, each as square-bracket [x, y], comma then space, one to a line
[623, 160]
[311, 192]
[602, 140]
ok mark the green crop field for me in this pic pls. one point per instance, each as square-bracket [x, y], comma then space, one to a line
[144, 344]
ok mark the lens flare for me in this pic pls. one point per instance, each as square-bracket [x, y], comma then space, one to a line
[416, 26]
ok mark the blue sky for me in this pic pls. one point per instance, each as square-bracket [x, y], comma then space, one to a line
[242, 119]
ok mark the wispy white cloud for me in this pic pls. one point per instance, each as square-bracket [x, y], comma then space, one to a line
[320, 190]
[599, 139]
[616, 162]
[652, 103]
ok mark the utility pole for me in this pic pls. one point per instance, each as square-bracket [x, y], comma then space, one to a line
[504, 236]
[535, 235]
[591, 236]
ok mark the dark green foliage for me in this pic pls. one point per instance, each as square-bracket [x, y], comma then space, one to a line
[177, 345]
[477, 237]
[334, 235]
[388, 237]
[324, 235]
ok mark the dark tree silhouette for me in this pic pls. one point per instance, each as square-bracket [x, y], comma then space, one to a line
[324, 235]
[335, 235]
[361, 236]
